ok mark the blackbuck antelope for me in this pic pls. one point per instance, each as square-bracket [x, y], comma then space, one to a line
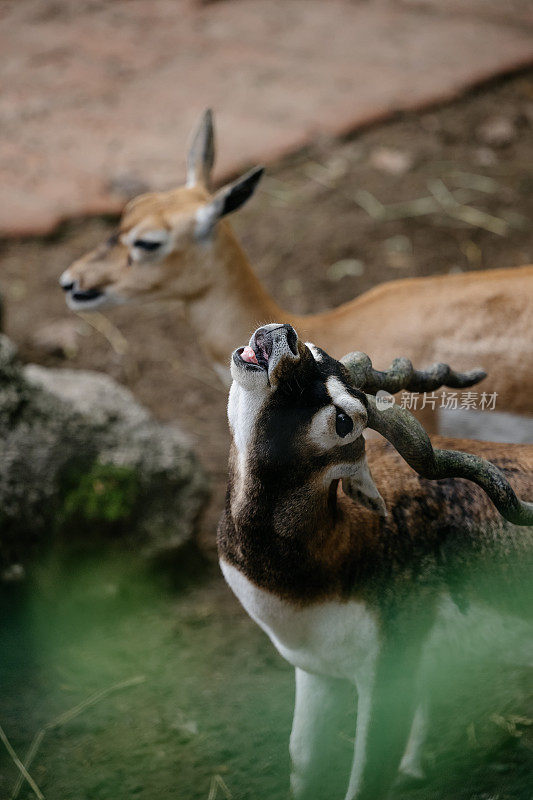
[345, 570]
[175, 245]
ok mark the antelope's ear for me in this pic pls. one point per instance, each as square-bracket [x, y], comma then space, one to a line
[226, 200]
[360, 486]
[201, 156]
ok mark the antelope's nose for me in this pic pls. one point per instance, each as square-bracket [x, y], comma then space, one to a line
[66, 282]
[276, 337]
[275, 343]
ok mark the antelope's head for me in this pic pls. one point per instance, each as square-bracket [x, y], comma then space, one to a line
[165, 241]
[297, 420]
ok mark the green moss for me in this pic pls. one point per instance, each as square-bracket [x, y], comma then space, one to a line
[106, 493]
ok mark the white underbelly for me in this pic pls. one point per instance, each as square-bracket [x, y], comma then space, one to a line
[342, 639]
[329, 638]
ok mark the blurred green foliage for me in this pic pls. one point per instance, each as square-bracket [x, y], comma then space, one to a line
[106, 493]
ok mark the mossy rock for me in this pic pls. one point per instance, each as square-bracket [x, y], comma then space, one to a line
[106, 494]
[80, 458]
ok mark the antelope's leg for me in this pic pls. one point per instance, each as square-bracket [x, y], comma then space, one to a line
[411, 763]
[320, 757]
[385, 715]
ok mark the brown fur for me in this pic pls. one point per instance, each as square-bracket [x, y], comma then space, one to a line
[305, 548]
[482, 318]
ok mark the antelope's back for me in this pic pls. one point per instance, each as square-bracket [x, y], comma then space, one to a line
[471, 319]
[450, 527]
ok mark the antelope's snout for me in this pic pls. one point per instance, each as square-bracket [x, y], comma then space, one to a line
[80, 294]
[77, 298]
[270, 347]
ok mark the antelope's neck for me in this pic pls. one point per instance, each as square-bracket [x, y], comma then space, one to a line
[234, 305]
[291, 540]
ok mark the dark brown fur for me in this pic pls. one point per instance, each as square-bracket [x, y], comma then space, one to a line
[297, 541]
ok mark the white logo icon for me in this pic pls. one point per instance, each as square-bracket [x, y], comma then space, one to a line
[384, 400]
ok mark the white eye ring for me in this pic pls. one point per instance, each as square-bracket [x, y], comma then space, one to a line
[149, 246]
[146, 244]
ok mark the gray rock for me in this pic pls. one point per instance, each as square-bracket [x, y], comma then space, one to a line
[80, 459]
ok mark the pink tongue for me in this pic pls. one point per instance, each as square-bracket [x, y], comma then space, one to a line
[249, 355]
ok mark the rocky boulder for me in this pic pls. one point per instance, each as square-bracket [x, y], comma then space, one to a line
[81, 460]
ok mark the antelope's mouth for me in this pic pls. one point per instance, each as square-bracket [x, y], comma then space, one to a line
[258, 354]
[253, 358]
[87, 296]
[80, 298]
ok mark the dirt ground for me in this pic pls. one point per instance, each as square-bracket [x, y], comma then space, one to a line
[194, 648]
[97, 95]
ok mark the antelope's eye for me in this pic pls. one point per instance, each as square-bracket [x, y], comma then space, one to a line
[147, 245]
[343, 424]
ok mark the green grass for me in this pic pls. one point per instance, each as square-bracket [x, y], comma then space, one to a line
[82, 628]
[213, 698]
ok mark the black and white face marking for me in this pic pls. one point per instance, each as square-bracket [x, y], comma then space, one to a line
[342, 420]
[254, 373]
[292, 408]
[294, 383]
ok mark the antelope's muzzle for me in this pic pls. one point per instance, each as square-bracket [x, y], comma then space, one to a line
[268, 346]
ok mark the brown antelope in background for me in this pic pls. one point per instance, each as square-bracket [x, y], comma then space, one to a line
[345, 570]
[175, 245]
